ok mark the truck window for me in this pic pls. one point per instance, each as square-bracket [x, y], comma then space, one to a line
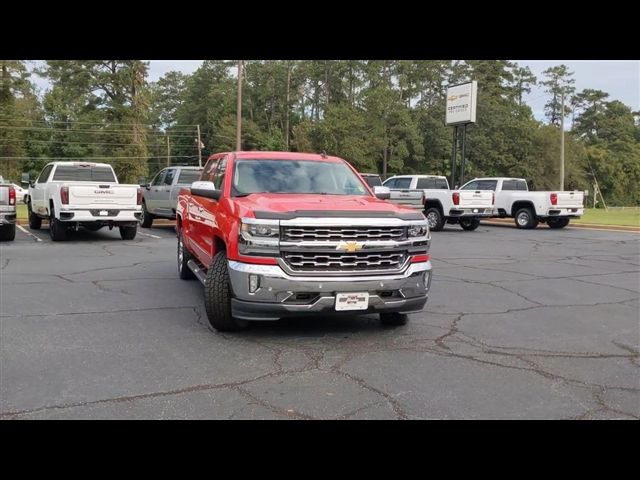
[403, 183]
[486, 185]
[521, 185]
[158, 179]
[44, 175]
[426, 183]
[509, 185]
[168, 178]
[187, 177]
[471, 186]
[391, 183]
[83, 173]
[441, 184]
[218, 177]
[373, 180]
[209, 169]
[295, 176]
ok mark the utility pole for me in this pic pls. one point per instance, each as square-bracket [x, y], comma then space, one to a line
[562, 143]
[239, 109]
[199, 148]
[168, 152]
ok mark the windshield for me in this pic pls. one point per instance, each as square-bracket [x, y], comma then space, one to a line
[295, 176]
[83, 173]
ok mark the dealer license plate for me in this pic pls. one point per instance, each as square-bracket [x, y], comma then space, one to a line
[352, 301]
[104, 213]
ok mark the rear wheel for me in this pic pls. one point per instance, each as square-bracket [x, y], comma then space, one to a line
[8, 232]
[128, 233]
[35, 222]
[57, 229]
[394, 319]
[557, 222]
[470, 224]
[526, 219]
[217, 296]
[435, 219]
[184, 272]
[147, 219]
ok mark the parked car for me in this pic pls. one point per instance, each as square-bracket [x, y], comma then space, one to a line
[280, 234]
[513, 199]
[441, 205]
[7, 211]
[74, 194]
[161, 194]
[372, 179]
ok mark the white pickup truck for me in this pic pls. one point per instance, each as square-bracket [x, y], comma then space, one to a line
[513, 199]
[74, 194]
[441, 205]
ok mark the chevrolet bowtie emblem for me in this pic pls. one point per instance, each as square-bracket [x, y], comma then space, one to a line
[350, 246]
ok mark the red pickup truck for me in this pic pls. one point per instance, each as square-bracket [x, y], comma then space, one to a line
[280, 234]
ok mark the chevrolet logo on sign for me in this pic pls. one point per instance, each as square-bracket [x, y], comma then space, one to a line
[350, 246]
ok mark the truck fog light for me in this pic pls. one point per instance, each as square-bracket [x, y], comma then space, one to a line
[254, 283]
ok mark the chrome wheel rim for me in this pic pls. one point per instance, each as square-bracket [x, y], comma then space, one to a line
[523, 219]
[432, 219]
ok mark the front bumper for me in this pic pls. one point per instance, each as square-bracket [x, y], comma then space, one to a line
[281, 295]
[115, 216]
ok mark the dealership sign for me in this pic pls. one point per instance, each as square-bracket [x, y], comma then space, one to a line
[461, 103]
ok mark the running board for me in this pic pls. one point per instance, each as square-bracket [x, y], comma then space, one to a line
[197, 271]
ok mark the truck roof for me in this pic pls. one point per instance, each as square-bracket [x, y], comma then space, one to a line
[419, 176]
[496, 178]
[93, 164]
[249, 155]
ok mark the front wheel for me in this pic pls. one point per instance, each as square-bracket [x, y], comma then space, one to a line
[35, 222]
[217, 296]
[8, 232]
[434, 219]
[128, 233]
[184, 272]
[557, 222]
[470, 224]
[526, 219]
[147, 219]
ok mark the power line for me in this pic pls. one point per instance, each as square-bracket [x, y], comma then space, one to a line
[99, 132]
[17, 140]
[184, 125]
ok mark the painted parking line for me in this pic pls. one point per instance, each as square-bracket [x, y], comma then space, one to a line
[22, 229]
[149, 235]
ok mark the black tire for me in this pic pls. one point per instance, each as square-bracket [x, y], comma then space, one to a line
[470, 224]
[35, 222]
[128, 233]
[526, 219]
[147, 219]
[184, 272]
[435, 219]
[57, 229]
[217, 297]
[557, 222]
[394, 319]
[8, 233]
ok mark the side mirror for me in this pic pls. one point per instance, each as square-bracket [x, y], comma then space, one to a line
[383, 193]
[205, 189]
[147, 186]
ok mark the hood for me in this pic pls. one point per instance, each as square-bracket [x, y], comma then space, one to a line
[287, 203]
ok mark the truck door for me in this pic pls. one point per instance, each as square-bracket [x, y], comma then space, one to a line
[152, 193]
[163, 199]
[39, 191]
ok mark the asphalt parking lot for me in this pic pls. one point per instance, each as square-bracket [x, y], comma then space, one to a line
[541, 324]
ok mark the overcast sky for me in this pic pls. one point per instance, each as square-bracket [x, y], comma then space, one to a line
[619, 78]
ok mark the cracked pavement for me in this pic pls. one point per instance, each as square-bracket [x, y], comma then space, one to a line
[540, 324]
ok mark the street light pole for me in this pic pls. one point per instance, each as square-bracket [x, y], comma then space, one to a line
[562, 143]
[239, 109]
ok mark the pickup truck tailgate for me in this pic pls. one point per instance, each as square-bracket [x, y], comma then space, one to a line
[408, 198]
[102, 194]
[570, 199]
[4, 194]
[476, 198]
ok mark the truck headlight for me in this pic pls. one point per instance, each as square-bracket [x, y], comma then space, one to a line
[419, 230]
[259, 237]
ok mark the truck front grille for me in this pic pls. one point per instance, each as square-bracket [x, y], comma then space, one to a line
[342, 233]
[345, 262]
